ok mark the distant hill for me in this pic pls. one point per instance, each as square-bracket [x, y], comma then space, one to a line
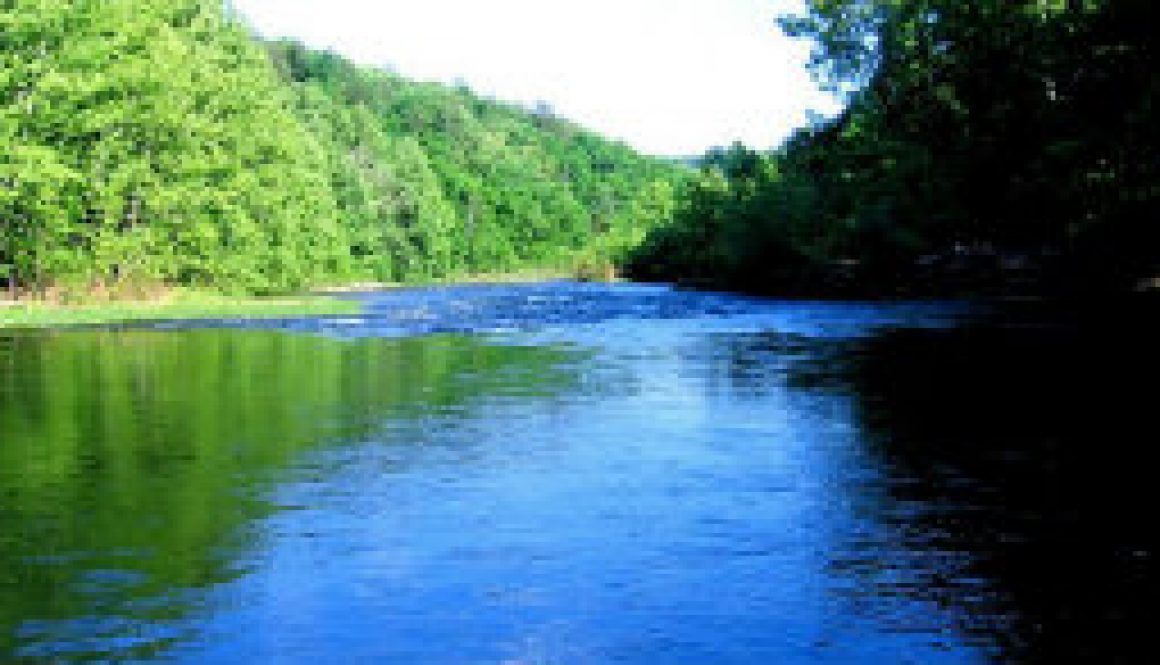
[472, 184]
[690, 161]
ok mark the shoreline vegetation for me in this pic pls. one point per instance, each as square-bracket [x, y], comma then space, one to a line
[994, 148]
[170, 144]
[97, 306]
[184, 305]
[214, 162]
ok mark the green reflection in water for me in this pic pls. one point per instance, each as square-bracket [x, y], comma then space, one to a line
[132, 463]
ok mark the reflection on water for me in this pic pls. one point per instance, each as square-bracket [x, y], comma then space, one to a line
[574, 474]
[135, 467]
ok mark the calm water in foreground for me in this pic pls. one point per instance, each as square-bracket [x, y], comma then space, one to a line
[568, 474]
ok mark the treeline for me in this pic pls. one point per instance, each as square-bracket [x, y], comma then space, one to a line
[161, 143]
[435, 180]
[988, 145]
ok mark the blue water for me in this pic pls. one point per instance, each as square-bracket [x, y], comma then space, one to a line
[562, 474]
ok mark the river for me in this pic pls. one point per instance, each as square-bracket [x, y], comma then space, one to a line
[570, 474]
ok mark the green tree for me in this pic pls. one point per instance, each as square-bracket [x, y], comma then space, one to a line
[163, 136]
[976, 135]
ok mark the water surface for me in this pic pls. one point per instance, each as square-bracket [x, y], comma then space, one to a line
[573, 474]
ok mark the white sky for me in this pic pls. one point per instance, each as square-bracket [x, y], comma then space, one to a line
[670, 77]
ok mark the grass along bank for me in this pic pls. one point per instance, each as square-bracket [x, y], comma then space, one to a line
[96, 306]
[175, 306]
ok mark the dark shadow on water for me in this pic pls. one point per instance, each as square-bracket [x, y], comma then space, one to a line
[1014, 453]
[1027, 446]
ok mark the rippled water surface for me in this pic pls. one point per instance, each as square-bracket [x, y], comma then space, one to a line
[573, 474]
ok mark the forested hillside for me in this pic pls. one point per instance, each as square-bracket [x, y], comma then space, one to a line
[991, 145]
[436, 180]
[161, 143]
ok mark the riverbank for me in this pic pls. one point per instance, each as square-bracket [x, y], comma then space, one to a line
[174, 306]
[516, 277]
[99, 308]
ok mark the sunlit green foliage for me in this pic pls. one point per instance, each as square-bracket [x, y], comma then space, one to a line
[160, 142]
[466, 184]
[152, 141]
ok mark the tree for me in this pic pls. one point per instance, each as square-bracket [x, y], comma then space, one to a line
[1013, 132]
[152, 142]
